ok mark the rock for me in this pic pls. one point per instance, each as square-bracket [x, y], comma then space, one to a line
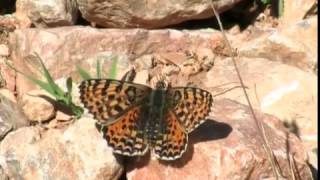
[122, 14]
[4, 50]
[3, 176]
[7, 75]
[38, 106]
[62, 116]
[313, 158]
[11, 116]
[306, 41]
[8, 94]
[294, 11]
[280, 46]
[53, 13]
[8, 23]
[142, 77]
[275, 88]
[86, 44]
[78, 152]
[228, 146]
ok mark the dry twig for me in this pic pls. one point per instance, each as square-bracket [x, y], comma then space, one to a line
[261, 130]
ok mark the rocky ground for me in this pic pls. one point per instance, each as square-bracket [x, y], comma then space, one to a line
[276, 57]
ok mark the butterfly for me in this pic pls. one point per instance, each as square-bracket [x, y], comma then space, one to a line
[136, 117]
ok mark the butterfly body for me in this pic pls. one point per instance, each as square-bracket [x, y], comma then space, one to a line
[137, 118]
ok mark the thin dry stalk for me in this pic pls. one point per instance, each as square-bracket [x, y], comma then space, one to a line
[261, 130]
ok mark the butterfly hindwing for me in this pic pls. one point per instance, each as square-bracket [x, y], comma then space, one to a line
[173, 141]
[125, 136]
[190, 105]
[108, 99]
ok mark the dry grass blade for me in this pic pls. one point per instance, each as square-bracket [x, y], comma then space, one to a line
[266, 146]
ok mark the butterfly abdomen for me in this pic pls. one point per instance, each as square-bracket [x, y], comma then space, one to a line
[155, 120]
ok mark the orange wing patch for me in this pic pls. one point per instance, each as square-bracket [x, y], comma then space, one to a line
[108, 99]
[190, 105]
[124, 136]
[173, 142]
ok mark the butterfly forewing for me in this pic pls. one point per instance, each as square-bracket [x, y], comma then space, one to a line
[172, 142]
[190, 105]
[108, 99]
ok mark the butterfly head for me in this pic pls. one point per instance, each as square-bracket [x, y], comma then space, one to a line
[161, 85]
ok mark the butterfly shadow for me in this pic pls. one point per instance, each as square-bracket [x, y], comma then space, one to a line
[209, 131]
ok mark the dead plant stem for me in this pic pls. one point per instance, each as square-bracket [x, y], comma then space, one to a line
[260, 127]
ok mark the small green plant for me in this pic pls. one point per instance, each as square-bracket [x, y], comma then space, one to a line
[52, 88]
[279, 4]
[99, 71]
[113, 68]
[265, 2]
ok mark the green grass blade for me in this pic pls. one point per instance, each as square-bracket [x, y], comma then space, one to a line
[281, 7]
[40, 83]
[59, 92]
[69, 88]
[98, 69]
[84, 74]
[113, 68]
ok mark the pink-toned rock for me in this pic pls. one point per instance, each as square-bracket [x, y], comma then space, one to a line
[4, 50]
[307, 30]
[11, 115]
[8, 94]
[8, 23]
[228, 147]
[85, 45]
[121, 14]
[7, 75]
[279, 45]
[78, 152]
[50, 14]
[275, 88]
[38, 106]
[294, 11]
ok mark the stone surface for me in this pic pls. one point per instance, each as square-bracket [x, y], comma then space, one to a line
[7, 23]
[228, 146]
[38, 106]
[147, 14]
[4, 50]
[278, 65]
[11, 116]
[77, 152]
[295, 11]
[302, 34]
[85, 45]
[283, 45]
[275, 88]
[51, 13]
[7, 75]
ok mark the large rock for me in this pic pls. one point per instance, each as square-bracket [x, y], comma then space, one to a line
[11, 115]
[296, 10]
[148, 14]
[77, 152]
[52, 13]
[228, 146]
[62, 48]
[283, 45]
[279, 77]
[274, 88]
[38, 106]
